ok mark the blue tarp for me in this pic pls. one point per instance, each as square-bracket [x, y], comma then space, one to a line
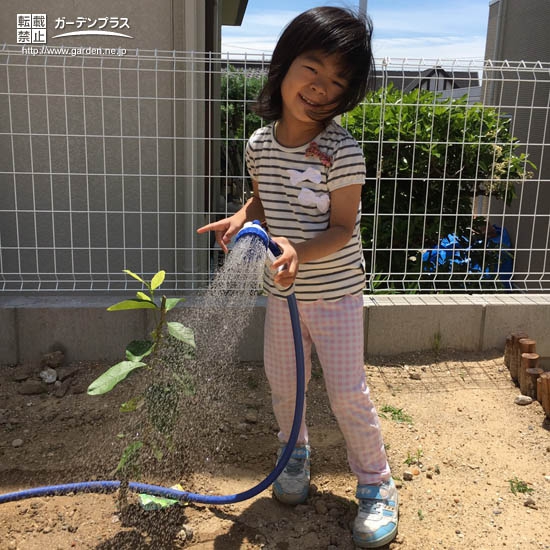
[456, 250]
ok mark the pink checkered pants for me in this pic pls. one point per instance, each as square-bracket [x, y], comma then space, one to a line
[336, 330]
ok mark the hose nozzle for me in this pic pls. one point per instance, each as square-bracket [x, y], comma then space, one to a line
[254, 229]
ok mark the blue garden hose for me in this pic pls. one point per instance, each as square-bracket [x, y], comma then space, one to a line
[164, 492]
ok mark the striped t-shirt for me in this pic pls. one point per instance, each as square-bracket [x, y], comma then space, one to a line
[294, 186]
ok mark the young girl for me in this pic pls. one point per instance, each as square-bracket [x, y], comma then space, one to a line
[307, 173]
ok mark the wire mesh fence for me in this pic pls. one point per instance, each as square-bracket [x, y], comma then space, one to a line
[111, 162]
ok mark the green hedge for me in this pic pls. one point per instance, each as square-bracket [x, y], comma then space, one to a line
[436, 156]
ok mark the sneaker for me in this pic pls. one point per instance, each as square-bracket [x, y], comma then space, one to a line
[292, 485]
[376, 521]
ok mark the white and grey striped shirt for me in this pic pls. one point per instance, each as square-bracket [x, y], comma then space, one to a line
[288, 179]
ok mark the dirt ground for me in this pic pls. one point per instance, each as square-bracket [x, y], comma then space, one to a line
[455, 439]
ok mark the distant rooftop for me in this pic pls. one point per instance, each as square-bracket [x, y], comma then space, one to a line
[436, 78]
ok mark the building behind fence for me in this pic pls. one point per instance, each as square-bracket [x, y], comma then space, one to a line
[112, 162]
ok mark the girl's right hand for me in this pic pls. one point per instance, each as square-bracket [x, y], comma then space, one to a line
[225, 230]
[286, 265]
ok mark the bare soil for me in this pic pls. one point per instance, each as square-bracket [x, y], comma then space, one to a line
[450, 422]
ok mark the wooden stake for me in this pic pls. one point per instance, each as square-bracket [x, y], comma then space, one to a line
[533, 375]
[515, 356]
[543, 392]
[526, 345]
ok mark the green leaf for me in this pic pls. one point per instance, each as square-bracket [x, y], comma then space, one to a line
[136, 350]
[158, 279]
[132, 274]
[173, 302]
[109, 379]
[131, 405]
[133, 304]
[129, 454]
[143, 296]
[184, 334]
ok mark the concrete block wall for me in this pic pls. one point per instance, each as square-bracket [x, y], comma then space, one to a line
[394, 324]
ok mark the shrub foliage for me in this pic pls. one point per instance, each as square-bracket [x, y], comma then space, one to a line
[427, 160]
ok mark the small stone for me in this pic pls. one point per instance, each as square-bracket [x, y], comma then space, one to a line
[48, 375]
[407, 476]
[66, 372]
[523, 400]
[32, 387]
[429, 475]
[63, 388]
[17, 443]
[530, 503]
[321, 508]
[415, 376]
[251, 416]
[21, 376]
[12, 545]
[53, 360]
[181, 535]
[415, 470]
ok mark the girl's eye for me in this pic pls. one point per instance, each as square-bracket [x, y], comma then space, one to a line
[309, 68]
[338, 84]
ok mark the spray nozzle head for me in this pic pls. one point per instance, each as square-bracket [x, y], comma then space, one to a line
[253, 229]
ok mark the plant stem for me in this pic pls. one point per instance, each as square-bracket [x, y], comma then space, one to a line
[158, 332]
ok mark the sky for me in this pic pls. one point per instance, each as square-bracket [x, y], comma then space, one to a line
[412, 29]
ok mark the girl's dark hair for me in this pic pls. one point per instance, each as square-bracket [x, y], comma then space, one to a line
[331, 30]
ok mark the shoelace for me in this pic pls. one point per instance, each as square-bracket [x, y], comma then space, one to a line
[295, 466]
[370, 506]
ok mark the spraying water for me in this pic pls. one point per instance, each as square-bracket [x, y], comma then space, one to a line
[223, 311]
[198, 421]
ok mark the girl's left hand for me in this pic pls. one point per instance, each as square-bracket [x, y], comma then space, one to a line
[289, 262]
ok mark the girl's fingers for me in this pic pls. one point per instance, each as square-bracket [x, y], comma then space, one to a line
[287, 275]
[223, 231]
[206, 228]
[219, 240]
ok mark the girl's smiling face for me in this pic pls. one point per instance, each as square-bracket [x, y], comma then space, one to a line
[311, 87]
